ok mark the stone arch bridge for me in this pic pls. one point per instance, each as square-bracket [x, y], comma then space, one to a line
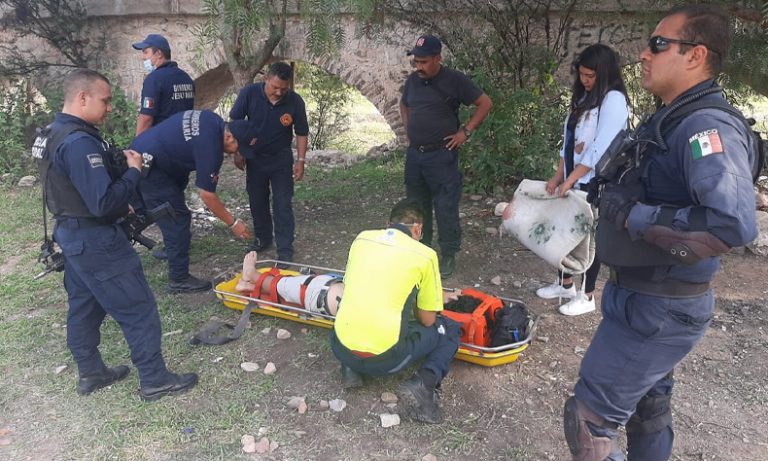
[376, 68]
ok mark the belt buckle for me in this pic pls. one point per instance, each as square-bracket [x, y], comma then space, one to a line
[421, 149]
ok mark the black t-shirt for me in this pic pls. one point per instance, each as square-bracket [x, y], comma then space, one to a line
[433, 104]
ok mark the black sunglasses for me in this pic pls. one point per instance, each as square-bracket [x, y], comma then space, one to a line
[657, 44]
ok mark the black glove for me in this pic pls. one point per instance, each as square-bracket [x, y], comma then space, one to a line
[593, 190]
[615, 205]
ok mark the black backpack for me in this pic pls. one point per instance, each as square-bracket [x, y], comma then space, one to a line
[511, 325]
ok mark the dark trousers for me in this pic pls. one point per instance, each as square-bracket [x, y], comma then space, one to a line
[436, 345]
[433, 178]
[159, 187]
[639, 341]
[103, 275]
[273, 172]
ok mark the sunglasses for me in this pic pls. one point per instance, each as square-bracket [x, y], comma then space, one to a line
[657, 44]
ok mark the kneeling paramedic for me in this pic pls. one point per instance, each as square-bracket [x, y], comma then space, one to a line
[102, 272]
[389, 313]
[663, 225]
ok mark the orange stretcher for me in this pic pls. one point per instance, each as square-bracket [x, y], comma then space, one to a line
[479, 354]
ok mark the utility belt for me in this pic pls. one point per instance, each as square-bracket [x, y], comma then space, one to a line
[424, 148]
[81, 223]
[641, 282]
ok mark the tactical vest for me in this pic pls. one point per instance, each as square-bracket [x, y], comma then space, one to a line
[60, 195]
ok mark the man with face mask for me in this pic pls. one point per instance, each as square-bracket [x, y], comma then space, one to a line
[167, 89]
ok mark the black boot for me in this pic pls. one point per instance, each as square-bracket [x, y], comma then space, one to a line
[350, 378]
[90, 383]
[173, 385]
[420, 400]
[447, 265]
[188, 284]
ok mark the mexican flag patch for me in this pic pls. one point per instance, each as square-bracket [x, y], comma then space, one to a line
[705, 143]
[148, 103]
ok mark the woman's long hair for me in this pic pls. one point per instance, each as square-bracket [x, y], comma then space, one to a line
[605, 62]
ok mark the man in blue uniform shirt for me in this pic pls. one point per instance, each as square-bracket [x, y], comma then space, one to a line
[430, 111]
[102, 272]
[277, 112]
[662, 228]
[167, 89]
[190, 141]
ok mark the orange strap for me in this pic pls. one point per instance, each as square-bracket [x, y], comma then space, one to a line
[272, 295]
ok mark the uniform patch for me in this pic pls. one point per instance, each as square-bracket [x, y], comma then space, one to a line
[214, 178]
[286, 119]
[148, 103]
[95, 160]
[705, 143]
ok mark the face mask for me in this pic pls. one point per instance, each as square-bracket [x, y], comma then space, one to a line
[148, 65]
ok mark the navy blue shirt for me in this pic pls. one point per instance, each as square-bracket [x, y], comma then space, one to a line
[167, 90]
[80, 157]
[433, 104]
[188, 141]
[275, 123]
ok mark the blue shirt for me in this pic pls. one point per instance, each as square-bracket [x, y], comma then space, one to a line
[433, 104]
[720, 181]
[167, 90]
[275, 123]
[80, 158]
[188, 141]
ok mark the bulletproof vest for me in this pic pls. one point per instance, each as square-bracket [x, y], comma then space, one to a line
[61, 196]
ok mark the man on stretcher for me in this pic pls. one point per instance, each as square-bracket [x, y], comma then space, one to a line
[318, 294]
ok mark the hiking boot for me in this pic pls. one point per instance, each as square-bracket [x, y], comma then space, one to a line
[350, 378]
[189, 284]
[447, 266]
[285, 262]
[420, 401]
[556, 291]
[581, 304]
[90, 383]
[260, 245]
[159, 253]
[173, 385]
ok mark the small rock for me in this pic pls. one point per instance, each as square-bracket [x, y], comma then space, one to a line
[311, 355]
[304, 331]
[217, 359]
[499, 208]
[337, 405]
[295, 402]
[475, 198]
[249, 366]
[262, 446]
[578, 350]
[389, 420]
[553, 365]
[283, 334]
[174, 332]
[496, 280]
[303, 407]
[270, 369]
[263, 431]
[517, 284]
[324, 405]
[491, 230]
[27, 181]
[60, 369]
[273, 446]
[249, 443]
[429, 457]
[266, 331]
[388, 397]
[544, 339]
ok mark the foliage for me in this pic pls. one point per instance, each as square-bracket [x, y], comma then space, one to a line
[61, 24]
[120, 126]
[20, 113]
[327, 104]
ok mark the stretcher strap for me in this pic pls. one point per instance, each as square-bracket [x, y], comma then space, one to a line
[303, 289]
[207, 334]
[272, 295]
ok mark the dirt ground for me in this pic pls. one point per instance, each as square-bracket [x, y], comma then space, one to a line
[514, 411]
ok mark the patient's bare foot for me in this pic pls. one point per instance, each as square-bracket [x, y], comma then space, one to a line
[249, 276]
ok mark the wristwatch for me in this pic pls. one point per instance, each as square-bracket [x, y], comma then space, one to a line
[467, 131]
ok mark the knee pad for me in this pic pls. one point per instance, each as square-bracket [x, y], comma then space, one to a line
[653, 413]
[583, 444]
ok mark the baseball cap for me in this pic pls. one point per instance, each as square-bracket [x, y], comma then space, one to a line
[426, 45]
[245, 133]
[155, 40]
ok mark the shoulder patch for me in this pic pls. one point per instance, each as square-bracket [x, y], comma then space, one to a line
[96, 160]
[148, 103]
[286, 119]
[705, 143]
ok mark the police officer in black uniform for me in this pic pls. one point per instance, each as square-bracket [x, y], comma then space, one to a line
[663, 226]
[167, 89]
[102, 272]
[430, 111]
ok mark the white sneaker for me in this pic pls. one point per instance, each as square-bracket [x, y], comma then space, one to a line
[556, 291]
[578, 305]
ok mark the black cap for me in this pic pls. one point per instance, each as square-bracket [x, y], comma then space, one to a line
[245, 134]
[426, 45]
[155, 40]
